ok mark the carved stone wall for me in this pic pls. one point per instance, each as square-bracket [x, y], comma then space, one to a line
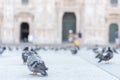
[45, 17]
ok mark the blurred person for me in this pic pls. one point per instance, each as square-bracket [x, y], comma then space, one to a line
[71, 37]
[75, 45]
[116, 38]
[76, 41]
[30, 38]
[80, 38]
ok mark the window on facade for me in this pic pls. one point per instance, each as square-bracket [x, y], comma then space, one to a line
[114, 2]
[24, 1]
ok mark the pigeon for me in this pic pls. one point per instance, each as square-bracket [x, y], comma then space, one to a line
[36, 65]
[25, 54]
[74, 50]
[106, 57]
[2, 49]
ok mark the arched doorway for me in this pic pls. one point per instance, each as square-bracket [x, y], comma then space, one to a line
[69, 23]
[24, 32]
[112, 29]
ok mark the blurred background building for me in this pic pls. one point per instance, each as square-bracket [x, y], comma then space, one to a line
[48, 21]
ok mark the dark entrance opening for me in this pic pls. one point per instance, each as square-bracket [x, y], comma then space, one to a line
[112, 29]
[69, 23]
[24, 32]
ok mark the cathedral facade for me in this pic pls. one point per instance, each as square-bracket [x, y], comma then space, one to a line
[49, 21]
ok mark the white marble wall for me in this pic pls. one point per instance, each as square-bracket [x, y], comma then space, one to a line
[39, 13]
[8, 21]
[1, 4]
[43, 23]
[94, 22]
